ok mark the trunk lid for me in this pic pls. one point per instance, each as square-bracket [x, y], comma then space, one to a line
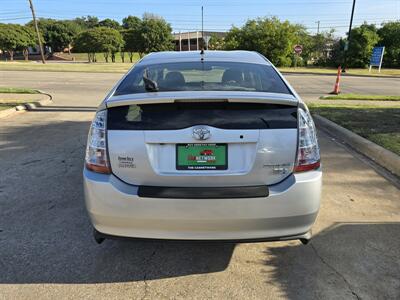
[258, 133]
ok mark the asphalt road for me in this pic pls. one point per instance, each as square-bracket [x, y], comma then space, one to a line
[47, 250]
[309, 86]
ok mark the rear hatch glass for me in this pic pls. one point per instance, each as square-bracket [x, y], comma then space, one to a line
[179, 115]
[203, 76]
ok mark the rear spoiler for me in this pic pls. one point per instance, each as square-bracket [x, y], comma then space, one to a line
[198, 96]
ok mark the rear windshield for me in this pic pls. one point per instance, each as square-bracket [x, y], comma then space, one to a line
[204, 76]
[179, 115]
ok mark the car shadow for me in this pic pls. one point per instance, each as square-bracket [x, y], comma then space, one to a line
[45, 233]
[345, 261]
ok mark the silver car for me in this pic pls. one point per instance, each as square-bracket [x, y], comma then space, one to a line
[212, 145]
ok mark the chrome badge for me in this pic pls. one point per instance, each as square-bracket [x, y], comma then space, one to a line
[201, 133]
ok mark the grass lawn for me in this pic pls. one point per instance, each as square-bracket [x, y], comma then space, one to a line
[8, 102]
[66, 67]
[379, 124]
[383, 73]
[8, 90]
[82, 57]
[361, 97]
[79, 65]
[6, 106]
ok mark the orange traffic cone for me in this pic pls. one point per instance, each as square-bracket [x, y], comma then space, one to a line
[336, 88]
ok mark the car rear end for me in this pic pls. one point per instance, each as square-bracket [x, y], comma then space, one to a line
[203, 165]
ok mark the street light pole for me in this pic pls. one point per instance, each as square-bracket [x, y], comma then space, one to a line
[318, 26]
[37, 31]
[347, 46]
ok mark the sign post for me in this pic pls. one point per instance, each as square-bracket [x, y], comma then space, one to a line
[297, 50]
[376, 58]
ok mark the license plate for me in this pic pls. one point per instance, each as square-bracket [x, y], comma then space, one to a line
[201, 156]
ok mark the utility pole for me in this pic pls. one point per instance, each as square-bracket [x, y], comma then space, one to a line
[37, 31]
[202, 28]
[347, 46]
[318, 26]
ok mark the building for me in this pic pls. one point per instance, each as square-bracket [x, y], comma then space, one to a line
[188, 41]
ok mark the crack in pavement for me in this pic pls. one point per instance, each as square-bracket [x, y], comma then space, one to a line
[335, 271]
[30, 162]
[147, 262]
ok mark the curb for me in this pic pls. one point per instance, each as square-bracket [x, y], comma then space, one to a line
[26, 106]
[378, 154]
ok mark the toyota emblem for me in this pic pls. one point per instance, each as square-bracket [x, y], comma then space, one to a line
[201, 133]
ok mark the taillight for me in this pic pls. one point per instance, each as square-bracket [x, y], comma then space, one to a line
[308, 157]
[96, 149]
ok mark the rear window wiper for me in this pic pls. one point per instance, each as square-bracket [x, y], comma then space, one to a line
[149, 85]
[265, 122]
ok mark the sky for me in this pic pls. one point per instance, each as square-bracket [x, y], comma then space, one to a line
[219, 15]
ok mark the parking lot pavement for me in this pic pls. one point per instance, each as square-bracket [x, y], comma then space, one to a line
[47, 251]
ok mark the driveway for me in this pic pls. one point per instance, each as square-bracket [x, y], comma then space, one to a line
[47, 250]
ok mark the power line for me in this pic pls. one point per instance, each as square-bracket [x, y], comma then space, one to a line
[14, 19]
[234, 3]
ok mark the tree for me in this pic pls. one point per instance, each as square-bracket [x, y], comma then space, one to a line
[131, 36]
[134, 42]
[99, 39]
[151, 16]
[151, 34]
[156, 35]
[389, 35]
[307, 54]
[86, 42]
[57, 35]
[336, 56]
[110, 24]
[216, 42]
[269, 36]
[112, 42]
[87, 22]
[363, 40]
[28, 39]
[131, 22]
[317, 48]
[14, 37]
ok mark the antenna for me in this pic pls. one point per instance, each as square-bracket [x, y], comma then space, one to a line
[202, 29]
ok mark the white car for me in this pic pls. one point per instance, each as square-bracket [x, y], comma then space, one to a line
[212, 145]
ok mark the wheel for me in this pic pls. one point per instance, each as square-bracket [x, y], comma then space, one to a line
[98, 236]
[305, 241]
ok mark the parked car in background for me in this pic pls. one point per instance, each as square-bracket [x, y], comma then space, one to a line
[212, 145]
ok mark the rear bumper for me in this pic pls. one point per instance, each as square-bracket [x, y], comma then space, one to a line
[288, 212]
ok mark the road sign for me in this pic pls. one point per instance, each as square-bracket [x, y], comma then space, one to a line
[298, 49]
[376, 58]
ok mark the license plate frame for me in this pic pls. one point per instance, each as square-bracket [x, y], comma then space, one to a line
[221, 163]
